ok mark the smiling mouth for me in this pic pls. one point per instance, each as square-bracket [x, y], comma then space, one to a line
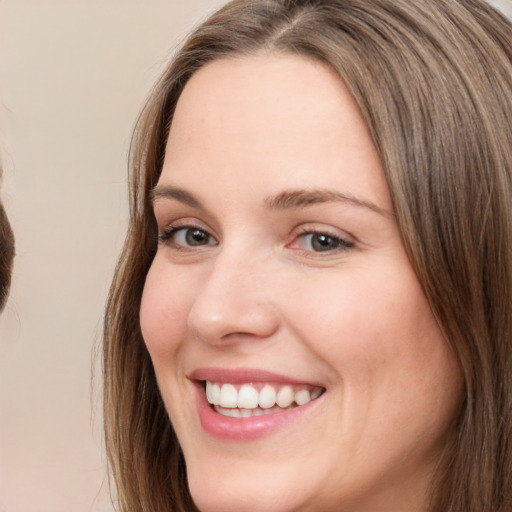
[257, 399]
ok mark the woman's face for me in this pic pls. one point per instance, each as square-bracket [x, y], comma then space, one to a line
[281, 283]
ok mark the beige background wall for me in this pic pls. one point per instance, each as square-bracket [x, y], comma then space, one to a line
[504, 5]
[73, 75]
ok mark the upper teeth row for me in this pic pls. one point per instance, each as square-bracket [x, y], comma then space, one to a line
[248, 397]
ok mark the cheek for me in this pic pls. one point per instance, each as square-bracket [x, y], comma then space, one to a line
[163, 312]
[375, 330]
[397, 381]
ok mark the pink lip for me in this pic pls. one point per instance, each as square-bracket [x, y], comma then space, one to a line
[244, 375]
[243, 429]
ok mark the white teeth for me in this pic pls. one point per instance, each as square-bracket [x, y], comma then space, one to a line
[267, 397]
[248, 413]
[213, 393]
[247, 397]
[233, 413]
[285, 396]
[302, 397]
[245, 413]
[228, 396]
[247, 401]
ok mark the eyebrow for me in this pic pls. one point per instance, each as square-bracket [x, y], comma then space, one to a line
[288, 199]
[179, 194]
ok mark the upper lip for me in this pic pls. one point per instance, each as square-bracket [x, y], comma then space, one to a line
[245, 375]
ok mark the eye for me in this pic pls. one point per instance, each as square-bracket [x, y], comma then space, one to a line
[316, 241]
[187, 236]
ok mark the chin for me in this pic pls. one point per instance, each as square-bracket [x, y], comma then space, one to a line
[260, 495]
[231, 500]
[235, 503]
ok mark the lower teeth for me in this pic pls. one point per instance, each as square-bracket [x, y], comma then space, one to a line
[247, 413]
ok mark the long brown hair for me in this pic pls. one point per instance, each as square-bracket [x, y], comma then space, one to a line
[433, 81]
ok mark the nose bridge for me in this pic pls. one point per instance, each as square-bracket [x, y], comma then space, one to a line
[234, 299]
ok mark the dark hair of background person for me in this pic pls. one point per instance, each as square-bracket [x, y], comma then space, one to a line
[6, 255]
[433, 81]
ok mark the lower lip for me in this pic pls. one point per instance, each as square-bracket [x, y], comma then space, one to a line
[243, 429]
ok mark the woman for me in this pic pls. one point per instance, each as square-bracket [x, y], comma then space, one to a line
[312, 310]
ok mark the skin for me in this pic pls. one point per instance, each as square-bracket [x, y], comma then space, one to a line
[259, 294]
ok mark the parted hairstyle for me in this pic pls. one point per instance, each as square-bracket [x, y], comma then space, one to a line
[433, 81]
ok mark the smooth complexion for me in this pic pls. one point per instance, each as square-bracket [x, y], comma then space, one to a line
[279, 252]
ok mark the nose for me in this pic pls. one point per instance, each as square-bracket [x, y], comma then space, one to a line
[234, 303]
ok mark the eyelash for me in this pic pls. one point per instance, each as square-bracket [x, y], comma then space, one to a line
[340, 244]
[166, 237]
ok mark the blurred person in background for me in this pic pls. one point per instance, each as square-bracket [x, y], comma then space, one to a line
[6, 255]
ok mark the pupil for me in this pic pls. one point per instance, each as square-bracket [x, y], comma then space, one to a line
[322, 242]
[195, 237]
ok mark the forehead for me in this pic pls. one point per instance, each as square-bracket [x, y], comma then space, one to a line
[262, 94]
[282, 119]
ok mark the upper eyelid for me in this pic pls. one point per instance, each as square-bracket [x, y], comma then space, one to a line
[189, 209]
[173, 207]
[180, 227]
[167, 218]
[307, 228]
[183, 223]
[345, 241]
